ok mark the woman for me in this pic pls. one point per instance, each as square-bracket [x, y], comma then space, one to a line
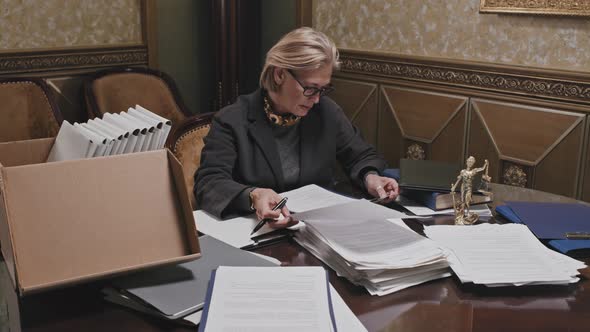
[285, 135]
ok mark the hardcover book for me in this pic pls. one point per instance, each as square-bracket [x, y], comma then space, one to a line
[440, 200]
[430, 175]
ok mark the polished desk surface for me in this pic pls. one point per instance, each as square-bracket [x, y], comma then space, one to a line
[439, 305]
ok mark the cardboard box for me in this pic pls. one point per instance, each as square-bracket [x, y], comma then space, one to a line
[73, 221]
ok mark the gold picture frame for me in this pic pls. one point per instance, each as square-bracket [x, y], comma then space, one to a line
[538, 7]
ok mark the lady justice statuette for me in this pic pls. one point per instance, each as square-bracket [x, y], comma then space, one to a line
[462, 214]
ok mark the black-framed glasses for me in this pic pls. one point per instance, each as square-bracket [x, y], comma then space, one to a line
[310, 91]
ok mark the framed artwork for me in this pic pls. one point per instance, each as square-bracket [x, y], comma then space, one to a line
[538, 7]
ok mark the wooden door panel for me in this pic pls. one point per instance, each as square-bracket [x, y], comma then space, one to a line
[359, 102]
[430, 124]
[527, 146]
[558, 171]
[389, 139]
[524, 132]
[422, 114]
[448, 146]
[585, 192]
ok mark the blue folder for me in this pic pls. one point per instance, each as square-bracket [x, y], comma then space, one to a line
[551, 221]
[574, 248]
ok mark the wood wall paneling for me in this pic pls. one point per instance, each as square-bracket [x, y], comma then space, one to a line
[359, 102]
[540, 141]
[558, 171]
[521, 132]
[481, 146]
[390, 141]
[473, 76]
[435, 119]
[585, 187]
[448, 145]
[422, 114]
[526, 120]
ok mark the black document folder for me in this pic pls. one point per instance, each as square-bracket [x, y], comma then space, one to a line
[430, 175]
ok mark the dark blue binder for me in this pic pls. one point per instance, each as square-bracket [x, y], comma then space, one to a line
[551, 221]
[574, 248]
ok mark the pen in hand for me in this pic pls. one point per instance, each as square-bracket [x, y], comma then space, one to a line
[261, 223]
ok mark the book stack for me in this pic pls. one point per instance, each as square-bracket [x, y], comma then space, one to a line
[429, 183]
[116, 133]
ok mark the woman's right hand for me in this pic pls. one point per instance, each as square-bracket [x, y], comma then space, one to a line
[263, 201]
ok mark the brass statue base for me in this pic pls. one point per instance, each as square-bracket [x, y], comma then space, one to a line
[462, 214]
[464, 218]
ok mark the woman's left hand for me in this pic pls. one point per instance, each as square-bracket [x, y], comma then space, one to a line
[386, 189]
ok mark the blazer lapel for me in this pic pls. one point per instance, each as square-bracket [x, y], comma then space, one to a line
[259, 129]
[310, 127]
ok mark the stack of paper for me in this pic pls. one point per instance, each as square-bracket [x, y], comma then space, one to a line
[554, 221]
[502, 255]
[357, 241]
[135, 130]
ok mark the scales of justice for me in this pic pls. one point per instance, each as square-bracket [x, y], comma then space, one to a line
[462, 214]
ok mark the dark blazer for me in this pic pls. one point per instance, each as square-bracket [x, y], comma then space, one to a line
[240, 152]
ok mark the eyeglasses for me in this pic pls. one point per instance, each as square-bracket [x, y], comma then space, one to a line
[310, 91]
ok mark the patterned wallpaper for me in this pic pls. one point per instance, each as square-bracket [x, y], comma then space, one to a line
[31, 24]
[455, 29]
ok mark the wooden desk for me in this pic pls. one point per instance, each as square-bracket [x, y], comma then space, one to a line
[440, 305]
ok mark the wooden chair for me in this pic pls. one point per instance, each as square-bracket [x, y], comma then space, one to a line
[115, 90]
[186, 143]
[27, 110]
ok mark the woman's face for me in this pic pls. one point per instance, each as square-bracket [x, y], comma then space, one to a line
[290, 98]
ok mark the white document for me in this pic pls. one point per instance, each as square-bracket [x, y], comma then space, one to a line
[287, 299]
[93, 126]
[103, 143]
[141, 132]
[167, 124]
[355, 210]
[420, 210]
[98, 140]
[115, 120]
[121, 134]
[235, 232]
[500, 255]
[106, 145]
[145, 128]
[376, 243]
[313, 197]
[194, 318]
[157, 125]
[346, 321]
[377, 254]
[69, 144]
[154, 127]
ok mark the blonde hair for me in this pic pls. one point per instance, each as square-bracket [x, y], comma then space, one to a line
[300, 49]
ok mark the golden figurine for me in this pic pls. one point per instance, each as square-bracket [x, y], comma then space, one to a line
[462, 214]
